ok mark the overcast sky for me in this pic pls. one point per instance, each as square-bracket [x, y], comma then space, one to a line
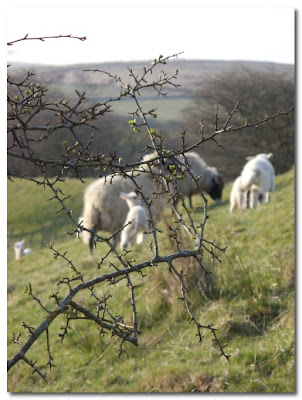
[126, 33]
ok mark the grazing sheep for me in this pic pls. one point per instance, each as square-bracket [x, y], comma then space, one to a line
[105, 210]
[257, 179]
[209, 180]
[20, 250]
[136, 223]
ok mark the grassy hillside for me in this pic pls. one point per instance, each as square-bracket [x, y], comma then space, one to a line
[250, 299]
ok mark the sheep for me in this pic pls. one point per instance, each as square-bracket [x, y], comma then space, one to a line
[209, 180]
[20, 250]
[136, 223]
[257, 179]
[105, 210]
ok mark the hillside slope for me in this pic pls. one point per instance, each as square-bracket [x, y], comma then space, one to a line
[250, 300]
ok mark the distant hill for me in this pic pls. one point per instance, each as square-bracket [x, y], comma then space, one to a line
[62, 80]
[172, 109]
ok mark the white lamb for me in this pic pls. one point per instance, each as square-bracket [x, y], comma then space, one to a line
[209, 180]
[136, 223]
[20, 250]
[104, 210]
[257, 179]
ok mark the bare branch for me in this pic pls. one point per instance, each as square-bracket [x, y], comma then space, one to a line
[43, 38]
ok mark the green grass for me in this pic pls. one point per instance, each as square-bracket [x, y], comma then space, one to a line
[250, 299]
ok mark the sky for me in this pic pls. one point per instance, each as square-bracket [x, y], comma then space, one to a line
[143, 32]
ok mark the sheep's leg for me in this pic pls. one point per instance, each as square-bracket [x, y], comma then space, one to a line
[140, 238]
[127, 236]
[190, 200]
[267, 196]
[91, 242]
[261, 198]
[244, 199]
[248, 199]
[254, 197]
[124, 240]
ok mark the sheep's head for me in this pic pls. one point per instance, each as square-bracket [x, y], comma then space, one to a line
[168, 163]
[268, 156]
[19, 245]
[217, 187]
[133, 198]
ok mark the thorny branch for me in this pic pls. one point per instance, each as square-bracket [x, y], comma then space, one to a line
[26, 101]
[42, 38]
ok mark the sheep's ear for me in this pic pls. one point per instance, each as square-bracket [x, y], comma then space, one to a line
[269, 156]
[218, 179]
[123, 195]
[249, 158]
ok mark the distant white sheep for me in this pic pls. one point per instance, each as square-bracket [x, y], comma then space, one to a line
[257, 179]
[136, 223]
[105, 210]
[20, 251]
[209, 181]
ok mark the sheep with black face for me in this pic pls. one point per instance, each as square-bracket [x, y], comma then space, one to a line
[206, 178]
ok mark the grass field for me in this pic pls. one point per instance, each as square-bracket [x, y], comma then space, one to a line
[250, 299]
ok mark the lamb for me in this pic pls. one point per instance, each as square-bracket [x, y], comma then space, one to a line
[136, 223]
[105, 210]
[258, 179]
[20, 250]
[209, 180]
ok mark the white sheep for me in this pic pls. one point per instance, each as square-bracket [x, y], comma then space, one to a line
[208, 179]
[257, 180]
[104, 210]
[136, 223]
[20, 250]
